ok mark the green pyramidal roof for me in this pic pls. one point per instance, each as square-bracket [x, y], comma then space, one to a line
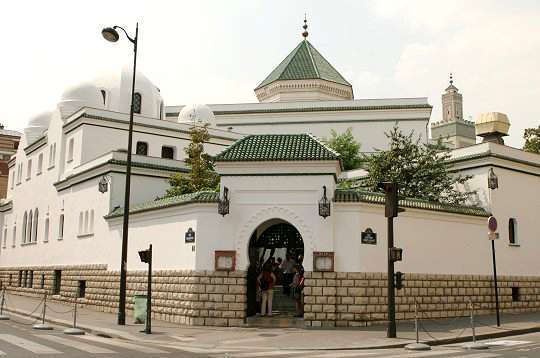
[303, 63]
[277, 147]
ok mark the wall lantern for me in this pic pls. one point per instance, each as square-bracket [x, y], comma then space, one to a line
[493, 180]
[396, 254]
[223, 205]
[103, 185]
[324, 205]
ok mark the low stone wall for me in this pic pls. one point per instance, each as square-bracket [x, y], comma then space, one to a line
[351, 299]
[211, 298]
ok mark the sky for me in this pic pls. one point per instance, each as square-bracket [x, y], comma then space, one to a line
[219, 51]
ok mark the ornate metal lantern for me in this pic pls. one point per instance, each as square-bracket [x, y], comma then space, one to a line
[396, 254]
[324, 205]
[103, 185]
[223, 205]
[493, 180]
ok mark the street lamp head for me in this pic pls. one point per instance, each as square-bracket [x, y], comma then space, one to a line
[110, 34]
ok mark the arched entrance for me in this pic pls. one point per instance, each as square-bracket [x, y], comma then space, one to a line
[275, 239]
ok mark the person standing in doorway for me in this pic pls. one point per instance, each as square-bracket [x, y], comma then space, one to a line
[287, 267]
[298, 288]
[266, 282]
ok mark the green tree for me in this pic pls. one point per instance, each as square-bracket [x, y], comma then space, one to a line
[347, 147]
[201, 174]
[532, 140]
[419, 169]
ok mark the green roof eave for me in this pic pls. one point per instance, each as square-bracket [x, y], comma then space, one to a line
[352, 196]
[192, 198]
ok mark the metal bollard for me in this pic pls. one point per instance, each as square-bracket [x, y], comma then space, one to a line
[417, 346]
[474, 345]
[74, 331]
[43, 326]
[3, 317]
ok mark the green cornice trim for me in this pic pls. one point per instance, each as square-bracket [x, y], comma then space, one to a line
[351, 196]
[321, 122]
[70, 127]
[280, 175]
[180, 200]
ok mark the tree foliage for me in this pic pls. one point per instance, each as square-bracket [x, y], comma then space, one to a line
[532, 140]
[201, 174]
[347, 147]
[419, 169]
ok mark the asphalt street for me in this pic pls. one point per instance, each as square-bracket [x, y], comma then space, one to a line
[19, 340]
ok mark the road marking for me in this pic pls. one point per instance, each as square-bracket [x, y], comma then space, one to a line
[420, 355]
[335, 354]
[77, 345]
[479, 355]
[507, 343]
[266, 354]
[118, 343]
[28, 345]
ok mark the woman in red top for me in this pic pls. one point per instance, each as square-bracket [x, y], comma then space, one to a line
[266, 282]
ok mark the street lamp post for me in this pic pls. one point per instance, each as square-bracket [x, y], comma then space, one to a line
[110, 34]
[493, 183]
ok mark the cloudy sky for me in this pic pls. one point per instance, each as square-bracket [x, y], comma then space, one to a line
[218, 51]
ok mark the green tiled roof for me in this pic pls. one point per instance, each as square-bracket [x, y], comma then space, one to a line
[349, 196]
[277, 147]
[303, 63]
[198, 197]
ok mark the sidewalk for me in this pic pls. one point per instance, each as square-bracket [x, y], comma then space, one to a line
[443, 331]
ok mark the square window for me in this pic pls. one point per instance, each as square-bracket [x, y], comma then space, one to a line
[167, 152]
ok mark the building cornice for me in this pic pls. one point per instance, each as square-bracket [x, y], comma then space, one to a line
[6, 206]
[38, 143]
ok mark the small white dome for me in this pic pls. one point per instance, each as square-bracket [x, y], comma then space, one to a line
[196, 113]
[37, 125]
[117, 89]
[79, 96]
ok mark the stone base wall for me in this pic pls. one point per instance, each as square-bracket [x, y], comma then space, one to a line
[351, 299]
[211, 298]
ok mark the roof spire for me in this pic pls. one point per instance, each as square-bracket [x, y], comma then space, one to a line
[451, 78]
[305, 33]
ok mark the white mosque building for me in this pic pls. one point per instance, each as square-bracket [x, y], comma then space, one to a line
[59, 234]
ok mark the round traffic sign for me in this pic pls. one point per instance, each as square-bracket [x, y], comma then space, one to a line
[492, 224]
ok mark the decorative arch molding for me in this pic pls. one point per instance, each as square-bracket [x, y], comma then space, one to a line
[275, 212]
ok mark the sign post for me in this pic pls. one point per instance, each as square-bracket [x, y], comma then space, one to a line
[146, 257]
[492, 236]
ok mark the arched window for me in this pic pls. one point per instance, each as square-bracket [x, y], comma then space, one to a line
[81, 218]
[512, 231]
[70, 150]
[36, 221]
[61, 227]
[23, 233]
[161, 110]
[14, 234]
[29, 227]
[40, 164]
[5, 237]
[167, 152]
[141, 148]
[91, 225]
[137, 102]
[46, 232]
[86, 220]
[104, 95]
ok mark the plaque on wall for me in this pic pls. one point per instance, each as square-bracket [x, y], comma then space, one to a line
[369, 237]
[190, 236]
[323, 261]
[225, 260]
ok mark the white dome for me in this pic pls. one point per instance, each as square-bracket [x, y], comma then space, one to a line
[79, 96]
[117, 88]
[196, 113]
[37, 125]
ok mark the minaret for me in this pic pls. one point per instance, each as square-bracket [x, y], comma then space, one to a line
[452, 103]
[453, 129]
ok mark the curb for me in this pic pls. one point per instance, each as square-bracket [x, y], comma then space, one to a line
[127, 336]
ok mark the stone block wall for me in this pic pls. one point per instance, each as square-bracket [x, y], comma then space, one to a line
[211, 298]
[351, 299]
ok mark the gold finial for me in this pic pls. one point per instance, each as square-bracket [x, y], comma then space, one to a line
[305, 33]
[451, 78]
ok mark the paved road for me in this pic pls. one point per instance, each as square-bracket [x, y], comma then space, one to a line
[19, 340]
